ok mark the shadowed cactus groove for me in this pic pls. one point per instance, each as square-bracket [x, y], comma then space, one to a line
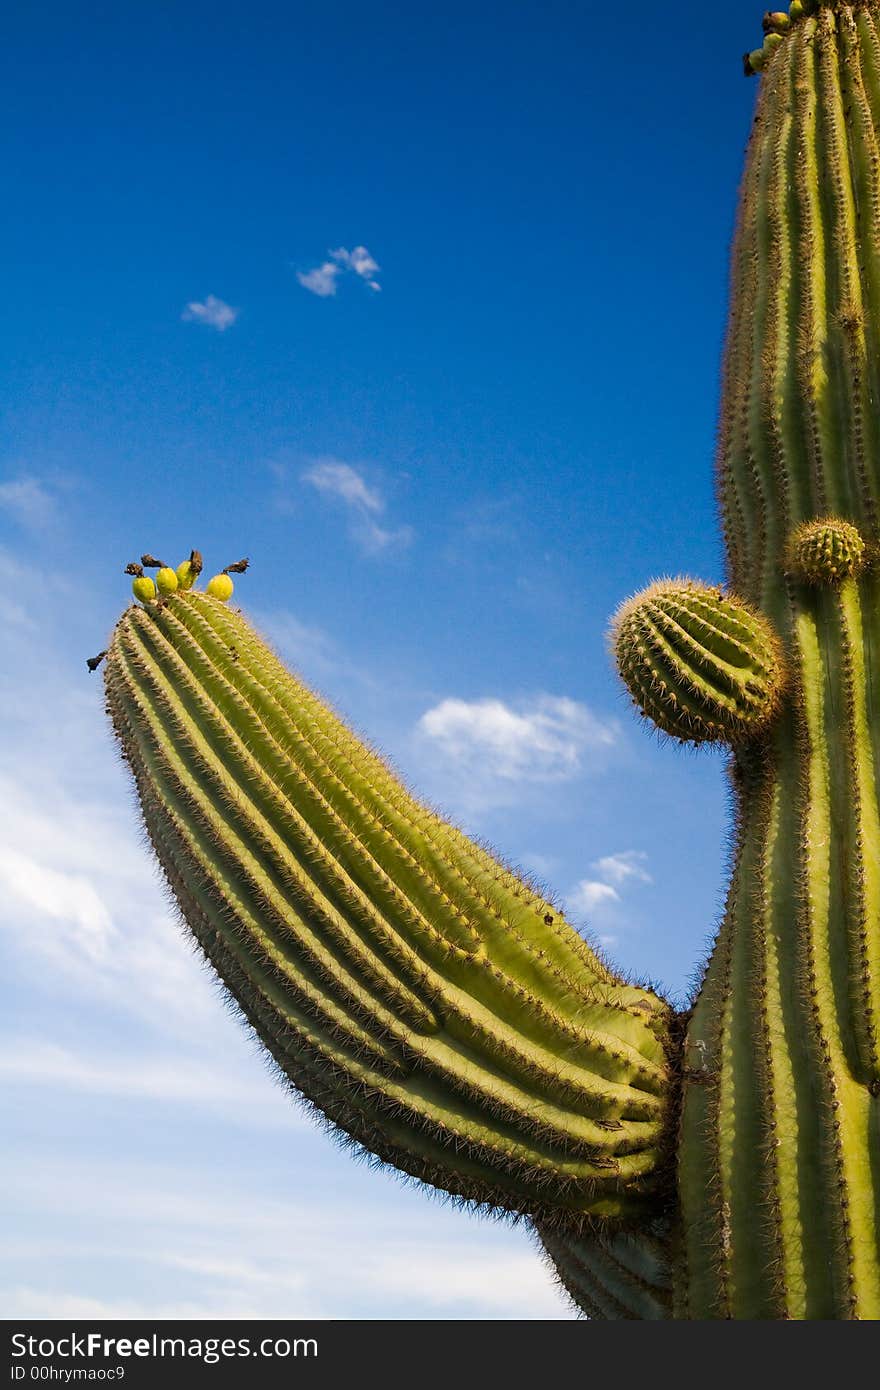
[719, 1163]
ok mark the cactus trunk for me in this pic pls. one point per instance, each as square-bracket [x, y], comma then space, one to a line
[779, 1160]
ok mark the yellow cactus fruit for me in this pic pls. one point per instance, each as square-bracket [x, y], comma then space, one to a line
[167, 581]
[221, 587]
[143, 588]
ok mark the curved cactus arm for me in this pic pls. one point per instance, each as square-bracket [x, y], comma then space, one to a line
[613, 1275]
[429, 1002]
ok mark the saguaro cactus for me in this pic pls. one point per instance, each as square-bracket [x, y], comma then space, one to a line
[720, 1163]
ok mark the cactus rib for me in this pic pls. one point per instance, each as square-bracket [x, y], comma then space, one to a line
[424, 997]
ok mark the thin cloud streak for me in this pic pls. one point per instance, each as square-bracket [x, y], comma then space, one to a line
[217, 1246]
[175, 1079]
[342, 482]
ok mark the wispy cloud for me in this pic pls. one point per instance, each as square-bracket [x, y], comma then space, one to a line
[323, 280]
[590, 893]
[83, 913]
[59, 896]
[545, 739]
[201, 1248]
[214, 312]
[173, 1079]
[28, 502]
[343, 481]
[599, 898]
[617, 868]
[364, 503]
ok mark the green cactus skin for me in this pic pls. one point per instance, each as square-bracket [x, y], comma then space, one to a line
[428, 1001]
[723, 1163]
[779, 1148]
[613, 1274]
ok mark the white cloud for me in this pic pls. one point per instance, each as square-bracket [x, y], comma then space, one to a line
[617, 868]
[336, 479]
[589, 894]
[58, 895]
[498, 1283]
[214, 312]
[360, 261]
[28, 502]
[541, 740]
[600, 898]
[321, 281]
[82, 908]
[324, 279]
[340, 479]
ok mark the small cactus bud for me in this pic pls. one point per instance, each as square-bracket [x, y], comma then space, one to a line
[776, 22]
[753, 62]
[796, 10]
[221, 587]
[825, 551]
[701, 664]
[143, 588]
[166, 581]
[771, 43]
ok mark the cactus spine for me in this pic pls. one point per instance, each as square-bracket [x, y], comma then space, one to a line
[720, 1164]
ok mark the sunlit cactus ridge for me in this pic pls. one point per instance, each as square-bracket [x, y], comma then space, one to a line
[435, 1006]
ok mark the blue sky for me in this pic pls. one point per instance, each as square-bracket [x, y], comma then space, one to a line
[422, 311]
